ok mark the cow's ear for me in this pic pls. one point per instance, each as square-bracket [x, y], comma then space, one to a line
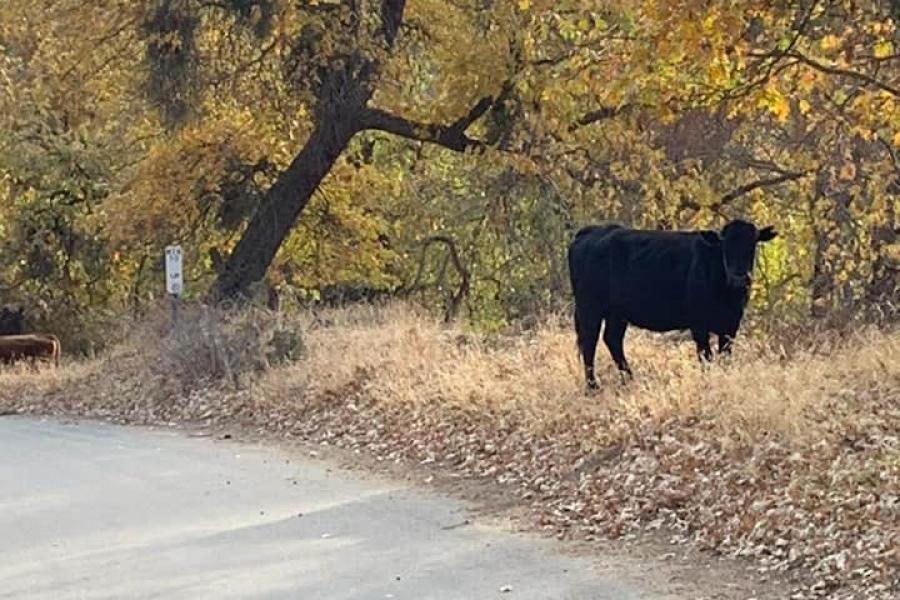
[766, 233]
[710, 237]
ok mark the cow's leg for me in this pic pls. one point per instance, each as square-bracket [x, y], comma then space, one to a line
[726, 341]
[587, 326]
[701, 338]
[614, 337]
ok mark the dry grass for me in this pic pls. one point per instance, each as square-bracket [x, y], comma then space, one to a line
[404, 359]
[791, 458]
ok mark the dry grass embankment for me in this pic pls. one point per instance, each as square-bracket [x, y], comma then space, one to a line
[791, 459]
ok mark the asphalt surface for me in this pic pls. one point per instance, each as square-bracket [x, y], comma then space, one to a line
[97, 511]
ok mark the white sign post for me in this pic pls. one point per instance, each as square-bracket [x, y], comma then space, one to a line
[174, 277]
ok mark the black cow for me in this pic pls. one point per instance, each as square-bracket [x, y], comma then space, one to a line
[661, 281]
[11, 321]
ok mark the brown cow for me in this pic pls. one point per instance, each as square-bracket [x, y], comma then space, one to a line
[35, 346]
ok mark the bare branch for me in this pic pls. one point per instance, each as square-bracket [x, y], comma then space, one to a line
[771, 62]
[13, 286]
[895, 160]
[600, 114]
[760, 183]
[864, 77]
[736, 193]
[464, 276]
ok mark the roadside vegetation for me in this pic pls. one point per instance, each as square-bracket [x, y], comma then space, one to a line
[788, 456]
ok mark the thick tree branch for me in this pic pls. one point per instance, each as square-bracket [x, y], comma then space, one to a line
[452, 136]
[391, 19]
[865, 78]
[601, 114]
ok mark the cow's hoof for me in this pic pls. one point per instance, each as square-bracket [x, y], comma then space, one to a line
[591, 387]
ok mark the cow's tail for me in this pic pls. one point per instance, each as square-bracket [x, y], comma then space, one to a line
[570, 254]
[570, 259]
[574, 282]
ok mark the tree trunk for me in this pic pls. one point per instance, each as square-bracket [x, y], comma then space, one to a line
[283, 204]
[821, 215]
[883, 289]
[346, 87]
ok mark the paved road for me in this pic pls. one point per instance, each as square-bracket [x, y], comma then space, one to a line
[96, 511]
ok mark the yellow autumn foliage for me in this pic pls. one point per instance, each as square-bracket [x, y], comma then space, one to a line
[659, 113]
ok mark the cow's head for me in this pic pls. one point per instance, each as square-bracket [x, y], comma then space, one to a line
[11, 320]
[738, 241]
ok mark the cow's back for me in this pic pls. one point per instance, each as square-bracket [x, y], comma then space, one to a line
[589, 242]
[651, 284]
[638, 276]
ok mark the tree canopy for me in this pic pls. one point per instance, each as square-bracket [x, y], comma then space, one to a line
[442, 149]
